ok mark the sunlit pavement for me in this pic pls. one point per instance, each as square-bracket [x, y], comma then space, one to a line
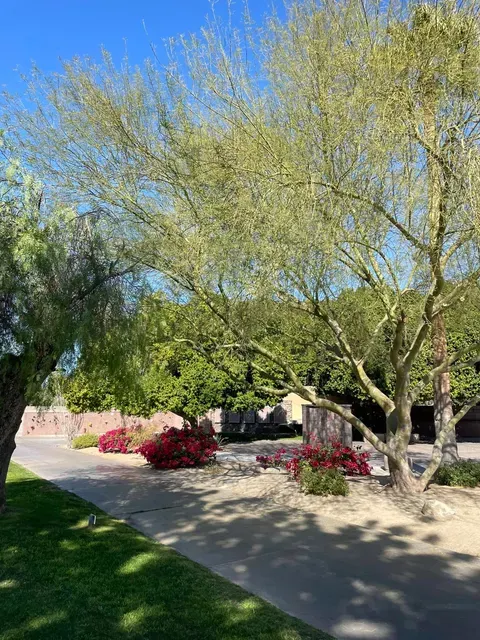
[350, 581]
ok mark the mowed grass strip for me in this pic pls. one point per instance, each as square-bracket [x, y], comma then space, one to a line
[61, 579]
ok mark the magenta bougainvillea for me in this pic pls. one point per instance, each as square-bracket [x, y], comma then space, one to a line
[176, 448]
[116, 441]
[332, 455]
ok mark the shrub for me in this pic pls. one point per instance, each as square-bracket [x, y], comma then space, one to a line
[84, 441]
[322, 482]
[116, 441]
[464, 473]
[320, 456]
[176, 448]
[140, 434]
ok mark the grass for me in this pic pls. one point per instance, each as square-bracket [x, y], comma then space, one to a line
[61, 579]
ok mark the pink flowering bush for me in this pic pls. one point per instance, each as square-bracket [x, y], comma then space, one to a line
[175, 448]
[116, 441]
[317, 456]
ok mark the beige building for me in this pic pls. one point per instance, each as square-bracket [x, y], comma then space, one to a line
[293, 404]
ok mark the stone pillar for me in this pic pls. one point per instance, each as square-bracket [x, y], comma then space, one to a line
[324, 426]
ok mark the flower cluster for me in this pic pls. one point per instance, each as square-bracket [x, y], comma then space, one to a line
[332, 455]
[116, 441]
[176, 448]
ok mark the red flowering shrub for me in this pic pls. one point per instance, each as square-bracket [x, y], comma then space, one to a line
[125, 439]
[116, 441]
[176, 448]
[320, 456]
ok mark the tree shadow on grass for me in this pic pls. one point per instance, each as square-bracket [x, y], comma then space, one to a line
[356, 583]
[61, 579]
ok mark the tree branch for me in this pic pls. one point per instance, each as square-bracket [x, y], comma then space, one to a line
[447, 365]
[378, 208]
[437, 453]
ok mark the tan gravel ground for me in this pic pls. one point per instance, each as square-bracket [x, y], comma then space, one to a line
[370, 503]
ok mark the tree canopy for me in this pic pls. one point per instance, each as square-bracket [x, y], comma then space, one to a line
[292, 163]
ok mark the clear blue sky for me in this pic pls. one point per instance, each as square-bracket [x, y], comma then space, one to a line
[44, 31]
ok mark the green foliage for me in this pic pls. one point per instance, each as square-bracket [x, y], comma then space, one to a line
[323, 482]
[165, 375]
[63, 283]
[85, 441]
[171, 376]
[80, 394]
[465, 473]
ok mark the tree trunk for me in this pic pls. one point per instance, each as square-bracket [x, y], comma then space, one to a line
[442, 399]
[12, 406]
[6, 450]
[402, 477]
[399, 428]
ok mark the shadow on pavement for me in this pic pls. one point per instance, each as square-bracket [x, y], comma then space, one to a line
[353, 582]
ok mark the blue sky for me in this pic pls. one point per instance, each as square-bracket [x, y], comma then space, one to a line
[45, 30]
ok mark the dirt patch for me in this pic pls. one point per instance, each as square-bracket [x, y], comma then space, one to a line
[372, 505]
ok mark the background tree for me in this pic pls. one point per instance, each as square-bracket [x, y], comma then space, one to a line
[291, 173]
[62, 284]
[167, 374]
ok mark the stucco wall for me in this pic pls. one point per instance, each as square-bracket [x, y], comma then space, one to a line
[52, 422]
[293, 404]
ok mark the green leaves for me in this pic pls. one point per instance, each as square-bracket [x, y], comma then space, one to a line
[63, 285]
[178, 379]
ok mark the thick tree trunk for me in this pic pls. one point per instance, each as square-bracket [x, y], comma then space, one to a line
[402, 477]
[6, 451]
[399, 429]
[12, 406]
[442, 399]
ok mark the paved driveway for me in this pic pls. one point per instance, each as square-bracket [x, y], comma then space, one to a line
[353, 582]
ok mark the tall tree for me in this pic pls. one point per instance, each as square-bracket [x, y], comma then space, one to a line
[292, 169]
[62, 285]
[433, 31]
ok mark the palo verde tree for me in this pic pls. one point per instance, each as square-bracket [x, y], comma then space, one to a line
[288, 165]
[448, 39]
[62, 285]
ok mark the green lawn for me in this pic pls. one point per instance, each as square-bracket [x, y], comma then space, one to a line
[60, 579]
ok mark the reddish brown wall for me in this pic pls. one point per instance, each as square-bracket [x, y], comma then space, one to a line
[52, 422]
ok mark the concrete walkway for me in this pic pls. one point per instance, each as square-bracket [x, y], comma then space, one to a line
[353, 582]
